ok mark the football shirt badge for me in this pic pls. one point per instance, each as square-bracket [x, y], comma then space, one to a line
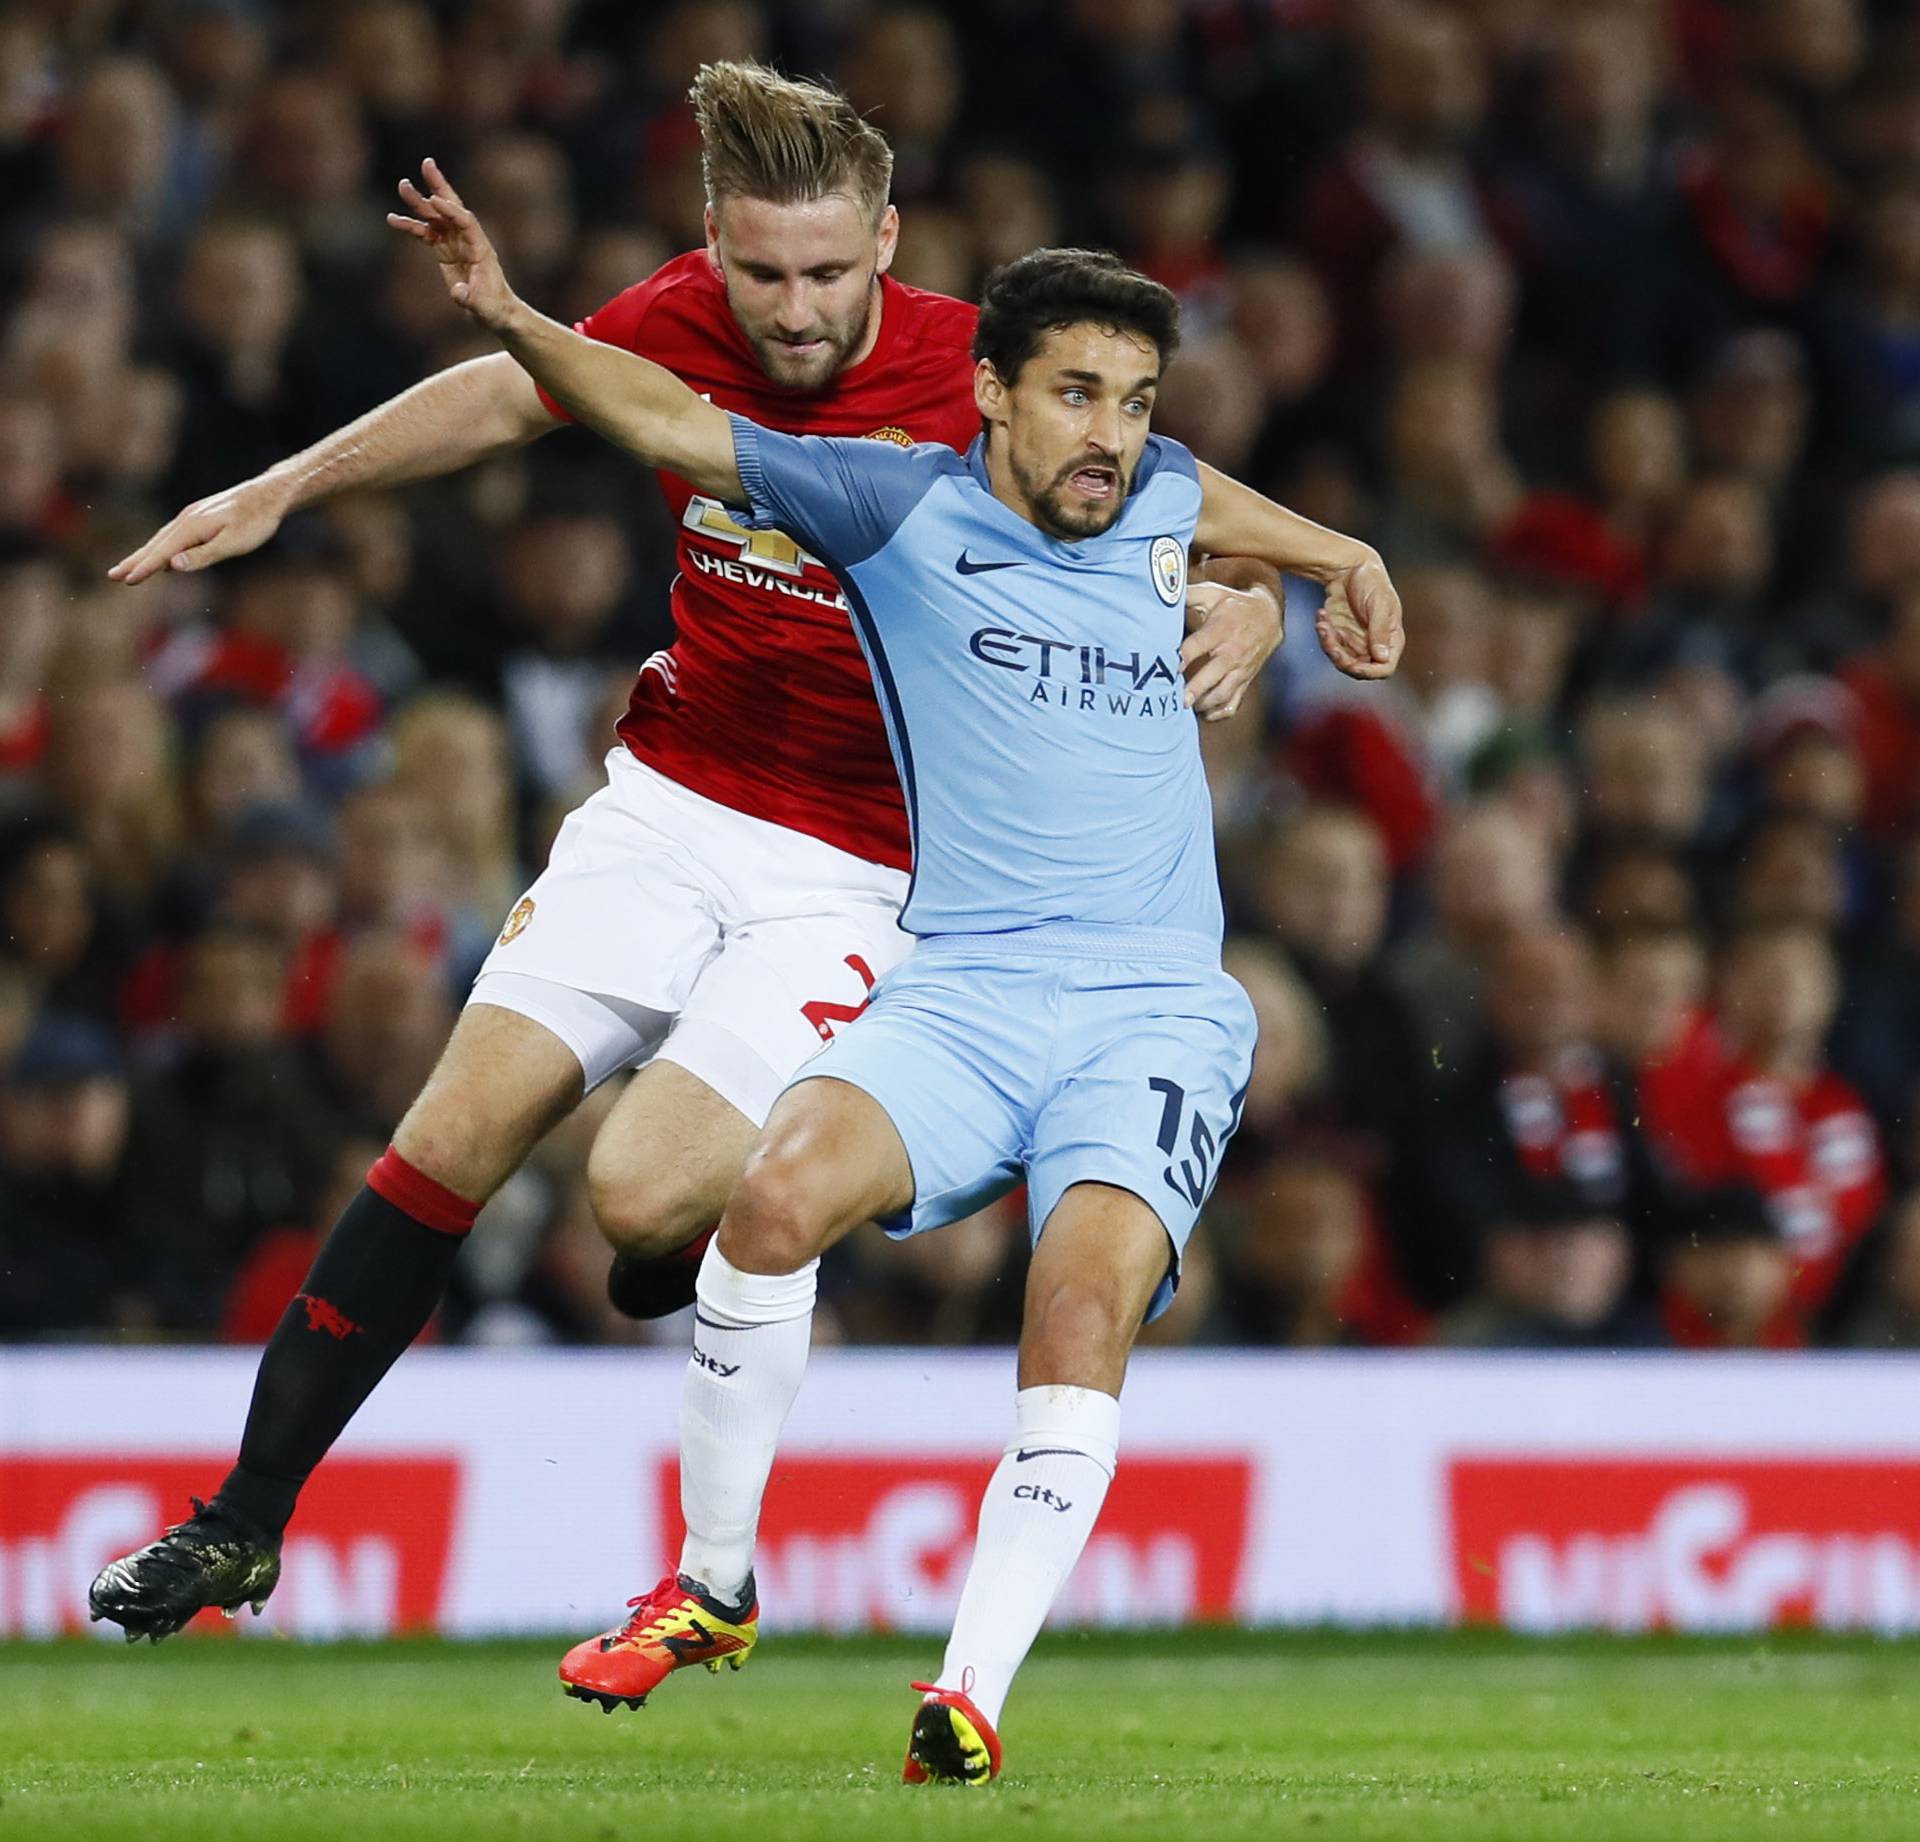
[517, 921]
[1167, 564]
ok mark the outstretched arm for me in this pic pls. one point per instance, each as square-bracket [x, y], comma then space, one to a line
[635, 404]
[448, 421]
[1359, 622]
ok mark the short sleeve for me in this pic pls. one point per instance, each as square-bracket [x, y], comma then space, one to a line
[842, 498]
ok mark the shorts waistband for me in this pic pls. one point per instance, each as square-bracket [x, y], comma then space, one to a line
[1080, 940]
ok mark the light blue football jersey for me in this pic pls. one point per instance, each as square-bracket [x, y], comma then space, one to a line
[1031, 686]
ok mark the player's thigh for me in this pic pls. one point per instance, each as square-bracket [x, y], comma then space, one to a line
[590, 970]
[502, 1083]
[622, 911]
[777, 991]
[829, 1159]
[761, 1007]
[1156, 1072]
[953, 1054]
[1102, 1255]
[666, 1159]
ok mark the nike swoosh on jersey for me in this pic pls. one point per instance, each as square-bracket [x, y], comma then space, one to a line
[968, 567]
[1046, 1451]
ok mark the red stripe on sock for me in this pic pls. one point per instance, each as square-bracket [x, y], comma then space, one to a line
[414, 1193]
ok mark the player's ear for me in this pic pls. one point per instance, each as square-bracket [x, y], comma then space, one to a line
[711, 221]
[989, 393]
[887, 240]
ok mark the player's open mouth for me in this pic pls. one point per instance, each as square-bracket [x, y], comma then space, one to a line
[1095, 482]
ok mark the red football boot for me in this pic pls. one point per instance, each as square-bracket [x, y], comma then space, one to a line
[952, 1741]
[673, 1627]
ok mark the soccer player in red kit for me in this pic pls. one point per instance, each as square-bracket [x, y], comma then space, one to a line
[733, 892]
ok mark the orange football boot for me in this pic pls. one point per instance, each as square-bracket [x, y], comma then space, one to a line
[952, 1741]
[675, 1626]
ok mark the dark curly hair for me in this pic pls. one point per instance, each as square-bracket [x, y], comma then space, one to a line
[1050, 288]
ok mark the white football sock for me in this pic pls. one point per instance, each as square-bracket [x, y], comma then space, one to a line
[1039, 1509]
[750, 1337]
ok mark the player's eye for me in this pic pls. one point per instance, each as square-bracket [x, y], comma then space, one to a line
[1137, 406]
[1074, 395]
[828, 275]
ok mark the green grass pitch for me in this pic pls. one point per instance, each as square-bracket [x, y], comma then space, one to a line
[1216, 1735]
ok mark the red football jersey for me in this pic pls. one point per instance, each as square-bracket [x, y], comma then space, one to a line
[1813, 1152]
[763, 702]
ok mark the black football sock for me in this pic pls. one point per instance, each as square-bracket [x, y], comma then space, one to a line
[372, 1289]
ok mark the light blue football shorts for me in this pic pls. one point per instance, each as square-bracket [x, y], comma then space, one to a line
[1065, 1054]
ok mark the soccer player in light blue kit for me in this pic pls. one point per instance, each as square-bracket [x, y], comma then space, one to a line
[1064, 1018]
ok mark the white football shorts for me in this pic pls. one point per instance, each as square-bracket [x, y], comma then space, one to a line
[666, 924]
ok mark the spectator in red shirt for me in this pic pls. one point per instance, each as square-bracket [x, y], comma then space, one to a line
[285, 645]
[1539, 1109]
[1774, 1117]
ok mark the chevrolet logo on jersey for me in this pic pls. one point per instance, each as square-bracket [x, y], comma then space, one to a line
[773, 550]
[768, 560]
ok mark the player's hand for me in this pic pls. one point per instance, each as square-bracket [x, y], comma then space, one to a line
[468, 264]
[1359, 622]
[210, 530]
[1233, 633]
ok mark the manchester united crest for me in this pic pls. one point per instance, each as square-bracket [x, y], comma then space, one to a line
[1167, 564]
[517, 921]
[898, 436]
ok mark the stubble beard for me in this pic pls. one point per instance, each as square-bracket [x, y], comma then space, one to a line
[813, 370]
[1058, 517]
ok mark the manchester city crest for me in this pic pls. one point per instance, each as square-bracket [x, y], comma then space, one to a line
[1167, 564]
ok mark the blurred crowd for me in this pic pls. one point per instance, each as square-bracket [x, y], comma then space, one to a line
[1587, 953]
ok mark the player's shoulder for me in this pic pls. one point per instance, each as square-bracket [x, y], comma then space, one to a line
[1166, 486]
[924, 463]
[935, 322]
[681, 295]
[1165, 457]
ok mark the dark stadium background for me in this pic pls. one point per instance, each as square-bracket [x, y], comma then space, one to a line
[1585, 953]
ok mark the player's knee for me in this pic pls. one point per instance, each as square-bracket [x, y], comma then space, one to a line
[1075, 1332]
[646, 1214]
[776, 1220]
[440, 1144]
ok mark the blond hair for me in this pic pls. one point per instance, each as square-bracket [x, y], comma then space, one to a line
[766, 136]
